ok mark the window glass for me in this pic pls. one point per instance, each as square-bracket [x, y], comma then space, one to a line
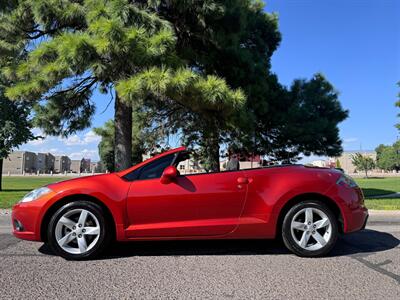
[187, 163]
[151, 170]
[156, 168]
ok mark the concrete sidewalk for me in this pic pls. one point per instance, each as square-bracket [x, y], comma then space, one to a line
[384, 217]
[5, 221]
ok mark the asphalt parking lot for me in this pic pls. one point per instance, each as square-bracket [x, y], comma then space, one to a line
[364, 265]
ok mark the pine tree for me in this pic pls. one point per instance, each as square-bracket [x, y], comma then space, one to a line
[235, 40]
[72, 47]
[15, 126]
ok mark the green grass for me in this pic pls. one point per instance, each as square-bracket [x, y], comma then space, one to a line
[379, 186]
[383, 204]
[14, 188]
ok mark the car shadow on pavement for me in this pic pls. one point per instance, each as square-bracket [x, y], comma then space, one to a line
[366, 241]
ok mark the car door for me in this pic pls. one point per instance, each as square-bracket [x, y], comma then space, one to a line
[193, 205]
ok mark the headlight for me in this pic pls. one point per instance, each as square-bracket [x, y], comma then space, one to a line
[347, 180]
[35, 194]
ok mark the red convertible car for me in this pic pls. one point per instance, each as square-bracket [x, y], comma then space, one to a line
[307, 207]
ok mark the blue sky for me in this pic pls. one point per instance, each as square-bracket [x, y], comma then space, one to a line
[354, 43]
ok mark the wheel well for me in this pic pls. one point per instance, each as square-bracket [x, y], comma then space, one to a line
[52, 209]
[316, 197]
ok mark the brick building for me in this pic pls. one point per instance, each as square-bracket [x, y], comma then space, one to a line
[62, 164]
[19, 162]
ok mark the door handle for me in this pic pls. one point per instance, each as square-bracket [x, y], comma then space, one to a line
[242, 180]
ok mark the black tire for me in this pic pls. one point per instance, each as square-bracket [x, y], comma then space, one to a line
[290, 241]
[98, 247]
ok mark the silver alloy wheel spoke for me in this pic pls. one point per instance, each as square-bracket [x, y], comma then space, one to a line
[311, 222]
[82, 244]
[66, 239]
[91, 230]
[322, 223]
[299, 226]
[77, 231]
[67, 222]
[320, 240]
[309, 215]
[82, 217]
[304, 239]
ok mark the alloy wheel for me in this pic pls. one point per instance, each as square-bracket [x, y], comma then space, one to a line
[311, 229]
[77, 231]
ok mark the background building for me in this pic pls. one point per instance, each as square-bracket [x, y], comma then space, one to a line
[75, 166]
[96, 167]
[25, 162]
[80, 166]
[320, 163]
[19, 162]
[45, 162]
[190, 166]
[346, 160]
[85, 165]
[62, 164]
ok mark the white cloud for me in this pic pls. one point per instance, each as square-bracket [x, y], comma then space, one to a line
[350, 140]
[91, 137]
[40, 141]
[86, 153]
[36, 142]
[44, 140]
[74, 140]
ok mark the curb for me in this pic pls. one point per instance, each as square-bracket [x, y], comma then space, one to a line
[373, 212]
[5, 212]
[393, 195]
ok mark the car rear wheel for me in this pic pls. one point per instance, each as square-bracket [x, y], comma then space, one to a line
[310, 229]
[78, 230]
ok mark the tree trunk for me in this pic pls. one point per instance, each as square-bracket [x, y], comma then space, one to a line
[211, 140]
[123, 134]
[1, 174]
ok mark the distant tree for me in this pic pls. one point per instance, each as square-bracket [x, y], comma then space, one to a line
[338, 164]
[398, 105]
[388, 157]
[106, 145]
[15, 126]
[363, 163]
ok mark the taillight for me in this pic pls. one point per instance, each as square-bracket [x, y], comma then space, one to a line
[347, 181]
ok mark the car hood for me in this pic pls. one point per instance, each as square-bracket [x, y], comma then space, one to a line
[78, 181]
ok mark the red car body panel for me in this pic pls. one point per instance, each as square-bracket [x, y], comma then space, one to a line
[230, 205]
[193, 205]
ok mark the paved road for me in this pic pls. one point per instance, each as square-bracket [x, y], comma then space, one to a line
[364, 265]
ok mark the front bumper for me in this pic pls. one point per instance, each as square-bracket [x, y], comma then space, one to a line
[27, 217]
[25, 220]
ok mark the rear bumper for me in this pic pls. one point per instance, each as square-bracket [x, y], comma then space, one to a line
[352, 207]
[356, 220]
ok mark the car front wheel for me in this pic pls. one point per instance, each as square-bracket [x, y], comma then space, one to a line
[310, 229]
[78, 230]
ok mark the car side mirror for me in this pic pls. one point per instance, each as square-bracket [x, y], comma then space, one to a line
[169, 175]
